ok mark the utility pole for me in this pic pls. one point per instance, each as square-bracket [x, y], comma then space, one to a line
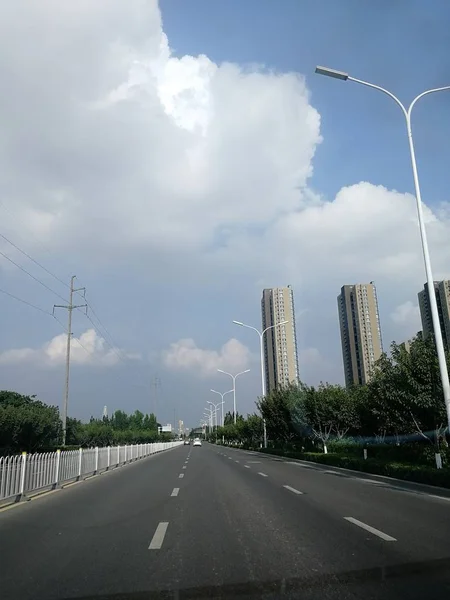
[69, 308]
[156, 384]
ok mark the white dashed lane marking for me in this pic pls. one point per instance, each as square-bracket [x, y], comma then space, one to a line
[377, 532]
[293, 490]
[158, 537]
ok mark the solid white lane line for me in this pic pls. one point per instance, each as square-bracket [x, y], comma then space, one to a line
[262, 474]
[291, 489]
[158, 537]
[180, 476]
[439, 497]
[380, 534]
[246, 466]
[370, 481]
[175, 492]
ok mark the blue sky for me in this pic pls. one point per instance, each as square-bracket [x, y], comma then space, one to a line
[177, 184]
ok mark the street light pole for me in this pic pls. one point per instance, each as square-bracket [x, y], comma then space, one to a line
[216, 408]
[223, 401]
[233, 377]
[423, 234]
[261, 349]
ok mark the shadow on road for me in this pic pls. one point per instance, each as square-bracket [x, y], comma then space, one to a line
[429, 579]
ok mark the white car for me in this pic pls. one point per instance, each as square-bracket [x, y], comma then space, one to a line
[197, 442]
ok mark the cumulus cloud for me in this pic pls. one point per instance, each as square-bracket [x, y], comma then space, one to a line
[159, 150]
[184, 355]
[130, 154]
[88, 349]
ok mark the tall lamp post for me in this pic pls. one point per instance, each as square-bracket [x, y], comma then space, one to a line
[261, 349]
[216, 408]
[233, 377]
[223, 401]
[423, 234]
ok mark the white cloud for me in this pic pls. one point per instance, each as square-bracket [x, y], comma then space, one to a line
[129, 140]
[89, 349]
[118, 151]
[185, 355]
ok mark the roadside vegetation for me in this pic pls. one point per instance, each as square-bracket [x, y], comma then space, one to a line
[396, 425]
[28, 424]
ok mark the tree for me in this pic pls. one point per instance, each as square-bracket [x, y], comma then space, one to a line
[150, 422]
[120, 420]
[27, 424]
[283, 411]
[136, 420]
[407, 392]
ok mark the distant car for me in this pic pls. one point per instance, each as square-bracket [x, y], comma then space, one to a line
[197, 442]
[187, 442]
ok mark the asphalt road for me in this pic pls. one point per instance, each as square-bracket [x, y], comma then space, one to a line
[213, 522]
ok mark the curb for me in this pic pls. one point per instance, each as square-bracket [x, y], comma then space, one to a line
[411, 486]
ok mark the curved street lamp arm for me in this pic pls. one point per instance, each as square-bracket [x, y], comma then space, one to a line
[381, 89]
[440, 89]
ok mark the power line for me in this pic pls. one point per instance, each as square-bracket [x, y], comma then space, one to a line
[32, 276]
[105, 334]
[33, 260]
[113, 348]
[46, 312]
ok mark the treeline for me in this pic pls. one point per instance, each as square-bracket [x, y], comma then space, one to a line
[403, 403]
[28, 424]
[120, 428]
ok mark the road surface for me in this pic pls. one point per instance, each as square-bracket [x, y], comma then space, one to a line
[214, 522]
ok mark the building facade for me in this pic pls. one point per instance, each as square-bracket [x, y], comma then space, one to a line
[360, 331]
[280, 341]
[442, 290]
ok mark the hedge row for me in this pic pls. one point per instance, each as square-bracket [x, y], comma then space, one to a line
[416, 452]
[408, 472]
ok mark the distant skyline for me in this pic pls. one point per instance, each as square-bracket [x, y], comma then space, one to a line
[180, 157]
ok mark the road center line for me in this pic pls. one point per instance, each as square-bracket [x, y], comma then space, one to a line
[246, 466]
[262, 474]
[175, 492]
[236, 461]
[380, 534]
[291, 489]
[180, 476]
[183, 467]
[158, 537]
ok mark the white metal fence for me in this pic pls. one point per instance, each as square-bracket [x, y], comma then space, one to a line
[24, 473]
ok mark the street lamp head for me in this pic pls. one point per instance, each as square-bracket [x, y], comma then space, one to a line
[331, 73]
[246, 371]
[238, 323]
[283, 322]
[222, 371]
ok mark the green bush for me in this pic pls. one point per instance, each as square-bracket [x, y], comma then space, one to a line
[417, 453]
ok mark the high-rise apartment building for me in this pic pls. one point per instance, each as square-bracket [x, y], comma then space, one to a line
[442, 290]
[360, 331]
[280, 342]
